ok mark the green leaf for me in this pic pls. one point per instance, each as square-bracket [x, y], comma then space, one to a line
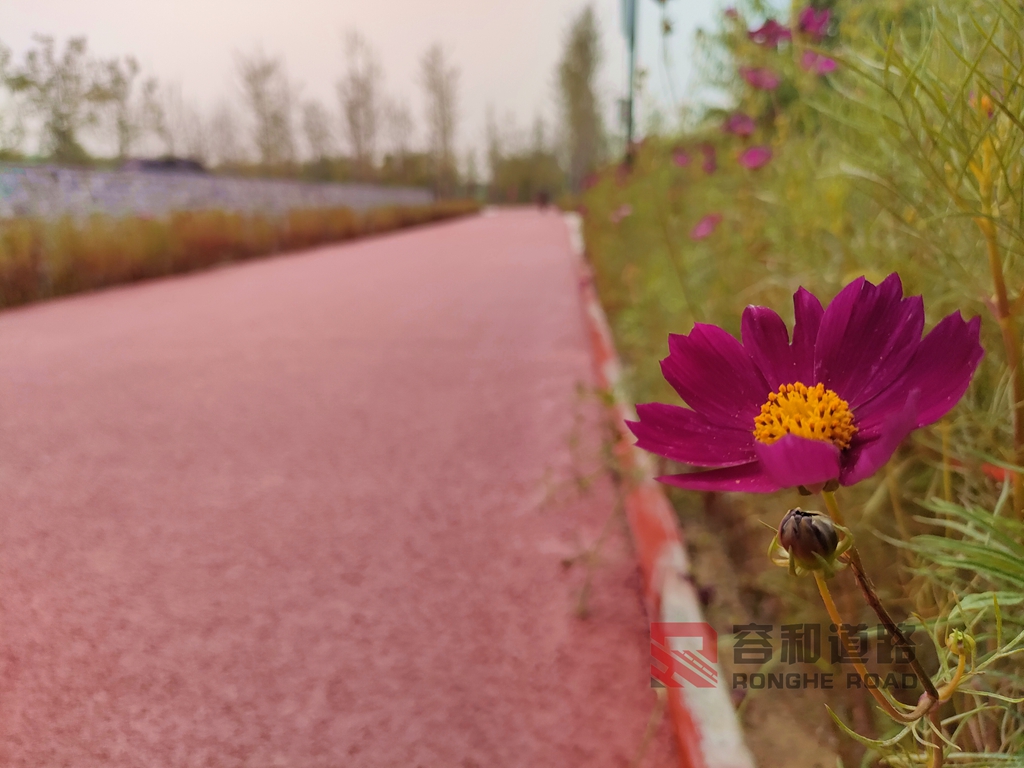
[873, 743]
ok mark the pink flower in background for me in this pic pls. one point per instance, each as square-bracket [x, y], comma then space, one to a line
[731, 13]
[813, 22]
[710, 164]
[621, 213]
[770, 33]
[706, 226]
[762, 78]
[681, 158]
[755, 157]
[739, 124]
[815, 62]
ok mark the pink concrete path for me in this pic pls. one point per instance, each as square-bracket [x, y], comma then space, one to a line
[311, 511]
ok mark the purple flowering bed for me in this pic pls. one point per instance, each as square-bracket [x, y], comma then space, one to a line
[49, 192]
[817, 293]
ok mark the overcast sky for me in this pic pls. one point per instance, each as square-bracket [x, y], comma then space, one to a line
[506, 49]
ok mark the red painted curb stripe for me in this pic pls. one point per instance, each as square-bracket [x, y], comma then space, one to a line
[703, 721]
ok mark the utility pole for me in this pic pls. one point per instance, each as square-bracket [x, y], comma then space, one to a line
[629, 9]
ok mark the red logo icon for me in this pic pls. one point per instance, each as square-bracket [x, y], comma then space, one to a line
[683, 652]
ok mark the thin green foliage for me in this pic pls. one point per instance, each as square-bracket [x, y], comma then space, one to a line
[908, 157]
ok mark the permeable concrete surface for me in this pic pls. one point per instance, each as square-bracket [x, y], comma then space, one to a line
[316, 510]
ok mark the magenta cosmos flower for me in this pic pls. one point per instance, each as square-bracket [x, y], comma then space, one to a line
[831, 404]
[755, 157]
[815, 62]
[762, 78]
[739, 124]
[706, 226]
[814, 23]
[770, 34]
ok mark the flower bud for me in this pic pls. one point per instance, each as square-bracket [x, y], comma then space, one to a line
[806, 534]
[960, 643]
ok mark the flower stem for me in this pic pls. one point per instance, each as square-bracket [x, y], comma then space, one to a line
[946, 692]
[871, 596]
[935, 751]
[935, 756]
[1011, 343]
[947, 472]
[1004, 315]
[833, 613]
[673, 256]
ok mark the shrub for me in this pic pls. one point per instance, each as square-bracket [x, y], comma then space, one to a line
[39, 258]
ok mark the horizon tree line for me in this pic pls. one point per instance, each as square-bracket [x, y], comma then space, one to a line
[66, 96]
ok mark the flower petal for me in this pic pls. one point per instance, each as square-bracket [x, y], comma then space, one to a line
[755, 157]
[770, 34]
[739, 124]
[820, 65]
[685, 436]
[825, 65]
[808, 312]
[833, 326]
[761, 78]
[766, 340]
[715, 376]
[814, 22]
[791, 461]
[867, 337]
[941, 368]
[891, 359]
[706, 226]
[944, 365]
[748, 478]
[867, 456]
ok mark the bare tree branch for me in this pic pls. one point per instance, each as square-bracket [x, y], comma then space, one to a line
[269, 99]
[359, 97]
[440, 82]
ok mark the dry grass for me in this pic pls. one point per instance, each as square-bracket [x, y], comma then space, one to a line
[40, 259]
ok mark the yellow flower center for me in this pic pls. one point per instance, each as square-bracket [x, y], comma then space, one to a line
[812, 412]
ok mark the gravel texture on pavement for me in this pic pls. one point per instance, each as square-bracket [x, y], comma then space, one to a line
[313, 511]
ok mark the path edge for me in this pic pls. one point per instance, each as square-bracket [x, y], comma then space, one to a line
[705, 726]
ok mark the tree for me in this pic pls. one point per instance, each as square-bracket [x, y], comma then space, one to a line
[128, 112]
[12, 128]
[268, 97]
[176, 121]
[65, 91]
[225, 136]
[440, 82]
[359, 96]
[399, 128]
[316, 125]
[495, 144]
[523, 167]
[472, 176]
[580, 107]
